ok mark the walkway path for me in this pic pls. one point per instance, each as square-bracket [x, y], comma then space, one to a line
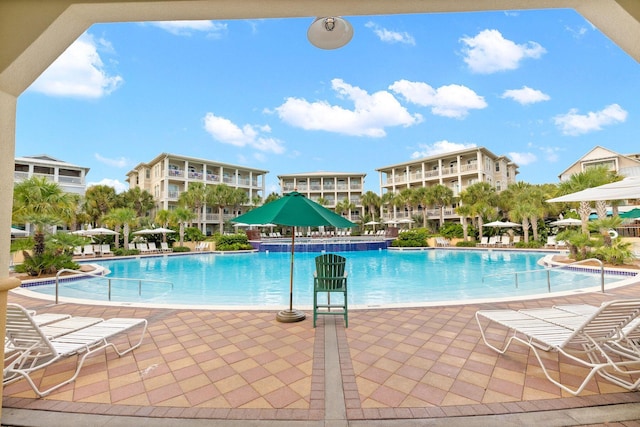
[391, 367]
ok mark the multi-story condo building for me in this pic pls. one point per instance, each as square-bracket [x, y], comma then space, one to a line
[456, 170]
[71, 178]
[169, 175]
[623, 164]
[332, 187]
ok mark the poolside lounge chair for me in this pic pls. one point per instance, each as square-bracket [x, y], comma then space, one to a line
[152, 247]
[164, 247]
[493, 242]
[551, 242]
[35, 350]
[88, 251]
[484, 241]
[505, 242]
[516, 239]
[105, 250]
[77, 251]
[572, 336]
[330, 277]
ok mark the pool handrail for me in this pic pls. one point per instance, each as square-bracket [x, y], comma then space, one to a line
[548, 271]
[100, 276]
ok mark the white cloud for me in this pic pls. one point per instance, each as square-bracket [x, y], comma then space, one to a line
[439, 147]
[453, 101]
[119, 186]
[227, 132]
[370, 116]
[116, 163]
[574, 124]
[526, 95]
[188, 28]
[489, 52]
[79, 72]
[389, 36]
[522, 159]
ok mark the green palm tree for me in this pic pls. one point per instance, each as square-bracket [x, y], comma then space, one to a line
[424, 197]
[220, 196]
[441, 195]
[98, 201]
[182, 216]
[603, 226]
[42, 203]
[137, 199]
[481, 198]
[163, 217]
[122, 217]
[589, 178]
[465, 212]
[195, 198]
[371, 202]
[386, 200]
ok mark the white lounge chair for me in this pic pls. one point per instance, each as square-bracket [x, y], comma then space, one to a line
[143, 248]
[505, 241]
[35, 350]
[88, 251]
[152, 247]
[105, 250]
[572, 336]
[493, 241]
[77, 251]
[484, 241]
[551, 242]
[164, 247]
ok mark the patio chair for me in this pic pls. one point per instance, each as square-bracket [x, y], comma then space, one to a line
[330, 277]
[143, 248]
[493, 242]
[77, 251]
[484, 241]
[572, 336]
[105, 250]
[35, 350]
[551, 242]
[505, 242]
[164, 247]
[516, 239]
[88, 251]
[152, 247]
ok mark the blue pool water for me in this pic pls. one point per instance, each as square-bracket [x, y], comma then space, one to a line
[374, 277]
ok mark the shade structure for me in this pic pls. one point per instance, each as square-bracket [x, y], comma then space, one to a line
[163, 230]
[294, 210]
[567, 222]
[633, 213]
[144, 231]
[628, 188]
[501, 224]
[371, 223]
[100, 231]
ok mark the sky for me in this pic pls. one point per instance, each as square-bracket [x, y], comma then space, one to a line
[542, 87]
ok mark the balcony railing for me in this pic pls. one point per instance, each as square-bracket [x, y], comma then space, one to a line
[176, 172]
[70, 179]
[469, 168]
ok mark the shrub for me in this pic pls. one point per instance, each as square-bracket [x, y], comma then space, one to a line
[452, 230]
[532, 244]
[47, 263]
[181, 249]
[232, 242]
[617, 255]
[468, 244]
[125, 252]
[411, 238]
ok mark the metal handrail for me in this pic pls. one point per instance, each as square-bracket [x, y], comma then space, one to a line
[109, 279]
[548, 271]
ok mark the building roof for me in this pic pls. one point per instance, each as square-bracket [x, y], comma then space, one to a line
[447, 154]
[320, 174]
[45, 159]
[162, 156]
[599, 153]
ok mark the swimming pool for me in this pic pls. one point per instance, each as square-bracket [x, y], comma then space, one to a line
[375, 278]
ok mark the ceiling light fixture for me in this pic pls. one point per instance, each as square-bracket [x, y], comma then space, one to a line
[330, 33]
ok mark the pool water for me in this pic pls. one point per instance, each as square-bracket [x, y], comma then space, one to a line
[374, 278]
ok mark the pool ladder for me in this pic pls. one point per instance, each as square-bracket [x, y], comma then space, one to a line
[109, 279]
[548, 272]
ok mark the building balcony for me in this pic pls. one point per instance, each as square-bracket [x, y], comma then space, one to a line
[179, 173]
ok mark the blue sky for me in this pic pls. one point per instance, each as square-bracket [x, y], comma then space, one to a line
[542, 87]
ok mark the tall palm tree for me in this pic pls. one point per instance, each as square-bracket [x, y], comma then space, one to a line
[182, 216]
[423, 196]
[589, 178]
[195, 198]
[42, 203]
[481, 198]
[386, 200]
[137, 199]
[465, 212]
[371, 202]
[98, 200]
[220, 196]
[122, 217]
[441, 195]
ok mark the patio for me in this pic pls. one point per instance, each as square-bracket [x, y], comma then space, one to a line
[390, 367]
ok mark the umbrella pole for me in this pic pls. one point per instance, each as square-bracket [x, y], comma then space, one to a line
[291, 315]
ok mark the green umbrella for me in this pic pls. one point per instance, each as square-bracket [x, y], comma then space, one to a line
[295, 210]
[633, 213]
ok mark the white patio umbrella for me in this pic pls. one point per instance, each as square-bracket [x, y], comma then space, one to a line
[374, 223]
[163, 230]
[628, 188]
[144, 231]
[567, 222]
[100, 231]
[501, 224]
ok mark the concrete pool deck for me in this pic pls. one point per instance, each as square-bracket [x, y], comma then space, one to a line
[391, 367]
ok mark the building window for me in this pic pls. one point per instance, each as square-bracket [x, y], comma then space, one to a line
[497, 166]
